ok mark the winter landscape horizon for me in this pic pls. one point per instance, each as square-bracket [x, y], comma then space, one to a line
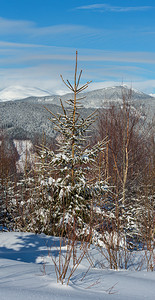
[19, 92]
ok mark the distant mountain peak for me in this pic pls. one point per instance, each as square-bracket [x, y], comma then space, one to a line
[17, 92]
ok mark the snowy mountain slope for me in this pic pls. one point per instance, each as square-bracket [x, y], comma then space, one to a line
[95, 98]
[143, 103]
[21, 92]
[27, 273]
[24, 119]
[100, 97]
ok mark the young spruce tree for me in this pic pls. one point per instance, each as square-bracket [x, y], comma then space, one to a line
[62, 189]
[66, 174]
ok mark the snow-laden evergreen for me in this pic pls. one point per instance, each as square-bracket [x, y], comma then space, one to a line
[65, 187]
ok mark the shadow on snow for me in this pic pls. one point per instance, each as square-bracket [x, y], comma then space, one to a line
[30, 246]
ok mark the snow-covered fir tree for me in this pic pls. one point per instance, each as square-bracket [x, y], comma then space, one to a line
[66, 185]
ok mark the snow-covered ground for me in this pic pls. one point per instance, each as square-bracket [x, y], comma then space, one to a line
[27, 273]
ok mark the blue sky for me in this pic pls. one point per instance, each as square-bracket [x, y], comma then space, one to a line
[115, 41]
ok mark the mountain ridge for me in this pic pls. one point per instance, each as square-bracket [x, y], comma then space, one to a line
[13, 93]
[27, 118]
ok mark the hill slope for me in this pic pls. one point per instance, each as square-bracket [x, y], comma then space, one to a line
[28, 118]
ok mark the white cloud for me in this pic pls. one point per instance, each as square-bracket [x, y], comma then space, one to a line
[4, 44]
[117, 56]
[106, 7]
[15, 26]
[47, 77]
[40, 66]
[20, 27]
[62, 29]
[22, 53]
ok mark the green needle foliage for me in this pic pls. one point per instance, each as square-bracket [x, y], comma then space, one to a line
[67, 173]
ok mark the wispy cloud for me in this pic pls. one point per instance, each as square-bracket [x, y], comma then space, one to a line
[19, 27]
[110, 8]
[28, 53]
[47, 77]
[15, 26]
[12, 45]
[41, 66]
[119, 56]
[26, 34]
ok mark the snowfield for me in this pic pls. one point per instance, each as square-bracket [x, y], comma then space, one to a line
[27, 273]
